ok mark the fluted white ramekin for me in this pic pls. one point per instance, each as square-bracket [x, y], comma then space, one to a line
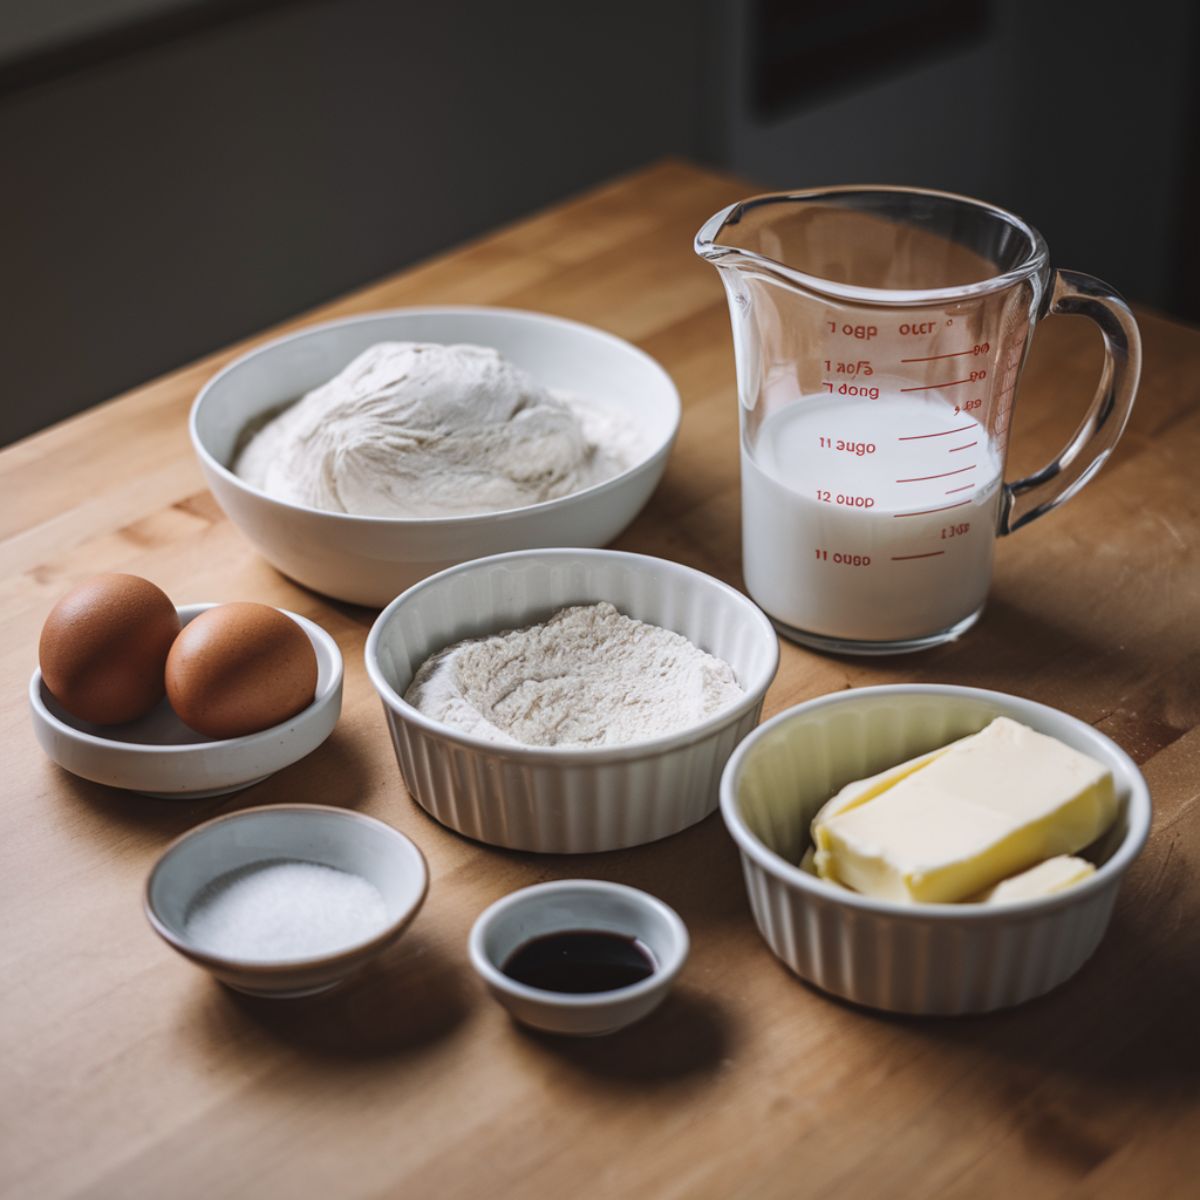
[567, 800]
[930, 958]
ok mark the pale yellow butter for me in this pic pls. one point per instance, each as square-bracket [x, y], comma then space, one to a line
[862, 790]
[989, 806]
[1054, 875]
[808, 864]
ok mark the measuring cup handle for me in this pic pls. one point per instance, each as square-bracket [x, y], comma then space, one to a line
[1084, 455]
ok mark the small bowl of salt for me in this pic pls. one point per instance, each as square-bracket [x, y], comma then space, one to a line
[286, 900]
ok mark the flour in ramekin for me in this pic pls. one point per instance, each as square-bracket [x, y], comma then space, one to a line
[588, 676]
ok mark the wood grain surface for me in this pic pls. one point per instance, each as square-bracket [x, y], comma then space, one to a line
[129, 1073]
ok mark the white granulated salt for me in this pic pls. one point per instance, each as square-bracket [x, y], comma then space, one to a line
[274, 911]
[588, 676]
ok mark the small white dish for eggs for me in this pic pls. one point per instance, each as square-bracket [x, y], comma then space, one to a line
[371, 560]
[158, 755]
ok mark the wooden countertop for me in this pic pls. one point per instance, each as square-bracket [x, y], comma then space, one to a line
[127, 1072]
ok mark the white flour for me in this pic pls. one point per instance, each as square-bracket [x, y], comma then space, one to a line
[425, 430]
[586, 677]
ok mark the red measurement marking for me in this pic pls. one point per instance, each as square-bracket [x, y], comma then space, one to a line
[943, 475]
[965, 488]
[949, 383]
[935, 357]
[967, 446]
[906, 557]
[924, 511]
[916, 437]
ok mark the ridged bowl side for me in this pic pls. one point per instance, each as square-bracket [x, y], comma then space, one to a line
[560, 808]
[906, 965]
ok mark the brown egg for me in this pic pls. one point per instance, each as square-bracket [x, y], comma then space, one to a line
[239, 668]
[104, 646]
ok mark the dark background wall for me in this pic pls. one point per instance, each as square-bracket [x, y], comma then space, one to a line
[179, 173]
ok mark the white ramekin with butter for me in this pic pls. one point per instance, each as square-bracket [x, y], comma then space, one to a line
[894, 950]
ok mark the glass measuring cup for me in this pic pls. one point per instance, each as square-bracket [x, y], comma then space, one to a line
[879, 335]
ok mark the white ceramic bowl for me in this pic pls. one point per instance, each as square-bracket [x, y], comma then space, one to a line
[930, 958]
[158, 755]
[370, 560]
[567, 800]
[311, 833]
[578, 904]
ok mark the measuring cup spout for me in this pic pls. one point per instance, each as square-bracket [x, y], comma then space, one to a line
[706, 244]
[717, 242]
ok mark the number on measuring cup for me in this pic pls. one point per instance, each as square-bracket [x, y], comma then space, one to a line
[863, 333]
[845, 499]
[867, 391]
[842, 558]
[856, 448]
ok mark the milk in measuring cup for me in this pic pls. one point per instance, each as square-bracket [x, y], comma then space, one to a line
[869, 520]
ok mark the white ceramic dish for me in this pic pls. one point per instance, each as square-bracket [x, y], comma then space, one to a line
[331, 837]
[926, 959]
[371, 560]
[158, 755]
[567, 800]
[578, 904]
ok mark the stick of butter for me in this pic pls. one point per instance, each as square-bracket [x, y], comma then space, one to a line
[862, 790]
[992, 805]
[1054, 875]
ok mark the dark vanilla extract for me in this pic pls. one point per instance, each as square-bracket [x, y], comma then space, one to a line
[579, 961]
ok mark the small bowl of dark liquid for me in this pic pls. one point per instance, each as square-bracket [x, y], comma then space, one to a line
[580, 961]
[580, 957]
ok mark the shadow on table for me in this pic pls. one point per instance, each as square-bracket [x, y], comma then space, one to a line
[1124, 1027]
[1010, 648]
[332, 774]
[697, 870]
[688, 1035]
[163, 819]
[357, 614]
[406, 1001]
